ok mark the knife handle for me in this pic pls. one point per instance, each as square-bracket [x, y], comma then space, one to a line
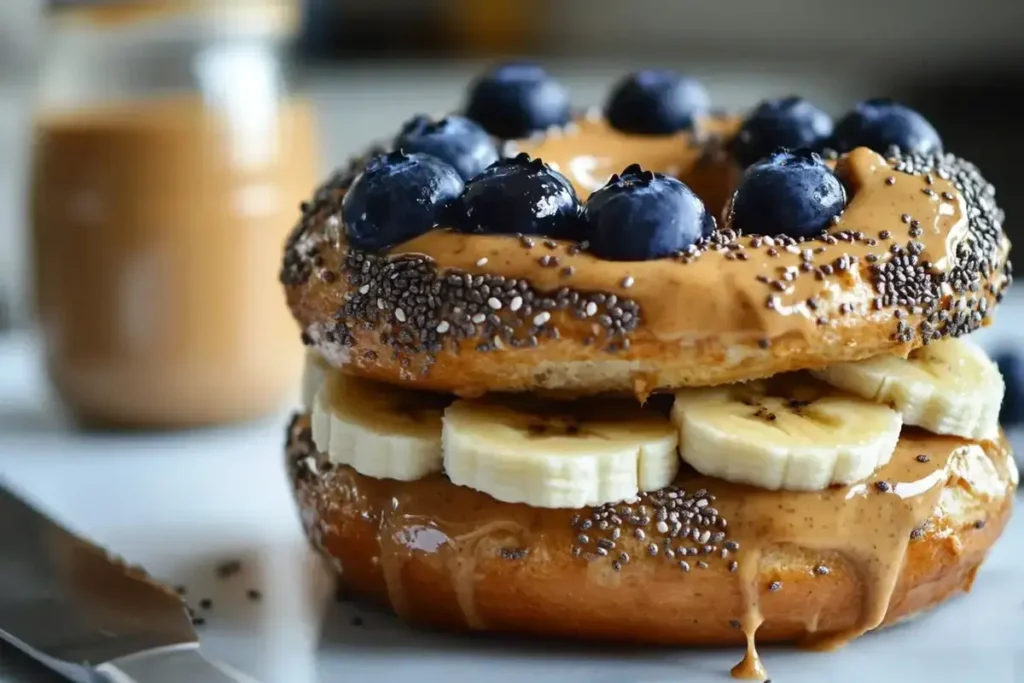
[176, 664]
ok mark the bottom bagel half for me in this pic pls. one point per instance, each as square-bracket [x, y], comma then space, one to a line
[702, 562]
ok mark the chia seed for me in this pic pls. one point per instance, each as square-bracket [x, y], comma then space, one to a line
[662, 532]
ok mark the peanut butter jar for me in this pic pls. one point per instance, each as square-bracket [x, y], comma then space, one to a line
[168, 165]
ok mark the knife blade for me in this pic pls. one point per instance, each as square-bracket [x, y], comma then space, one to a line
[89, 615]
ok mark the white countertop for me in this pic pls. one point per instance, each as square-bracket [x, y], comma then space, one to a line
[182, 503]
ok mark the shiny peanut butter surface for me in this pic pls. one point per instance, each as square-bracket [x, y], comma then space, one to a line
[722, 294]
[730, 545]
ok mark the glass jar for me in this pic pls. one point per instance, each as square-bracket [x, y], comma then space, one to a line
[168, 164]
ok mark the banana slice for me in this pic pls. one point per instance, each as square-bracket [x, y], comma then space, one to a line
[947, 387]
[552, 455]
[379, 430]
[789, 432]
[314, 373]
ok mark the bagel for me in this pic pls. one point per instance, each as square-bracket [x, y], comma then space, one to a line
[817, 567]
[918, 254]
[636, 381]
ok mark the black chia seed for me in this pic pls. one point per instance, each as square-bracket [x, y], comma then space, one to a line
[418, 310]
[669, 523]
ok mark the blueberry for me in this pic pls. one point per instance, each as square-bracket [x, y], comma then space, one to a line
[656, 102]
[520, 195]
[514, 100]
[789, 193]
[790, 122]
[1011, 365]
[880, 123]
[454, 139]
[397, 197]
[640, 215]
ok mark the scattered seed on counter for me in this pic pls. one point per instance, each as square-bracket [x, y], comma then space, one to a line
[822, 570]
[923, 458]
[229, 569]
[775, 586]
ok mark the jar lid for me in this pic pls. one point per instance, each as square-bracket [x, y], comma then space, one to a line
[270, 17]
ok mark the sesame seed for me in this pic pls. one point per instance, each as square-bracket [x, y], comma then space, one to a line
[541, 318]
[627, 281]
[822, 570]
[443, 327]
[494, 303]
[775, 586]
[481, 262]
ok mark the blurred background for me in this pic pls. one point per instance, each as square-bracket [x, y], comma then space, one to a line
[368, 64]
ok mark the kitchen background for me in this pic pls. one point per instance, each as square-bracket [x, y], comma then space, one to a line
[368, 64]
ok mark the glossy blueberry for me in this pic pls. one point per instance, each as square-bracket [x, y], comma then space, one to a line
[454, 139]
[514, 100]
[789, 193]
[656, 102]
[1011, 365]
[790, 122]
[640, 215]
[880, 123]
[520, 195]
[397, 197]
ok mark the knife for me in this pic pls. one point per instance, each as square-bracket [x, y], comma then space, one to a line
[88, 615]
